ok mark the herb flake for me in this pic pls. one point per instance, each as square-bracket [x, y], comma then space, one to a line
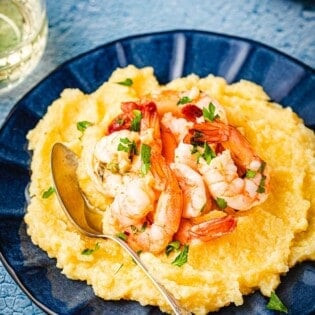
[126, 82]
[122, 235]
[175, 245]
[127, 146]
[209, 113]
[119, 267]
[135, 123]
[276, 304]
[222, 204]
[261, 187]
[182, 257]
[184, 100]
[145, 158]
[82, 125]
[89, 251]
[208, 153]
[250, 173]
[47, 193]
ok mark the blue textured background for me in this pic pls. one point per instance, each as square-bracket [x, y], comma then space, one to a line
[76, 26]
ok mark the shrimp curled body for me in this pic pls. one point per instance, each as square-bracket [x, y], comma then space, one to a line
[237, 174]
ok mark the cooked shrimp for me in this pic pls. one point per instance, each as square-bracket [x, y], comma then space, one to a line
[195, 195]
[106, 150]
[205, 231]
[237, 175]
[183, 154]
[133, 202]
[159, 230]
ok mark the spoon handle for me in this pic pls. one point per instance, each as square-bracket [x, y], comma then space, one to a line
[178, 310]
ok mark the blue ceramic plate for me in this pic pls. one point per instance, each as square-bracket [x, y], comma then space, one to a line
[172, 54]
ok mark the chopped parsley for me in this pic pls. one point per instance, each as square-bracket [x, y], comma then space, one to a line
[184, 100]
[261, 187]
[122, 236]
[262, 167]
[222, 204]
[119, 267]
[47, 193]
[82, 125]
[203, 207]
[144, 226]
[208, 154]
[135, 123]
[250, 173]
[182, 257]
[276, 304]
[127, 82]
[145, 158]
[209, 113]
[127, 146]
[89, 251]
[194, 149]
[175, 245]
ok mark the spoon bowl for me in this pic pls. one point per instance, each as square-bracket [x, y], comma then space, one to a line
[64, 163]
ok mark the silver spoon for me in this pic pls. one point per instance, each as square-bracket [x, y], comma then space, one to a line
[64, 163]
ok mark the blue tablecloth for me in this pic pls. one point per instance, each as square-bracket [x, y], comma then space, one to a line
[76, 26]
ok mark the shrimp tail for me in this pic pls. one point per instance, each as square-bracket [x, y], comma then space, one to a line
[206, 230]
[214, 228]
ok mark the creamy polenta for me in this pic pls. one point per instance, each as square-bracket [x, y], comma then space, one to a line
[269, 238]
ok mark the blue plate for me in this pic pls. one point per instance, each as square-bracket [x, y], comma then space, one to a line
[172, 54]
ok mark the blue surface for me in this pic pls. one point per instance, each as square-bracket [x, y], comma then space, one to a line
[78, 26]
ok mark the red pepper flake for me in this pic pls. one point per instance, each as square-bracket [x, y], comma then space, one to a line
[191, 112]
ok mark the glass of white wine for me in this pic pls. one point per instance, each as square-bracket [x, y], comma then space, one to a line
[23, 36]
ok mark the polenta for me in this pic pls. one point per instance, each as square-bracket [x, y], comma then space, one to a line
[270, 237]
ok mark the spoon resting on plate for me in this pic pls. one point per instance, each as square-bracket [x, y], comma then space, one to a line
[64, 163]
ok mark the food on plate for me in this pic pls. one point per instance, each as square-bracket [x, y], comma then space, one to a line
[212, 184]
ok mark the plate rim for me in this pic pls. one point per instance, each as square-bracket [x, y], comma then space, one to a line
[295, 60]
[19, 103]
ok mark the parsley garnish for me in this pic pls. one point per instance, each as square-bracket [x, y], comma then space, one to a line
[175, 245]
[127, 82]
[276, 304]
[262, 167]
[144, 226]
[122, 236]
[82, 125]
[120, 266]
[182, 257]
[261, 187]
[47, 193]
[127, 146]
[145, 158]
[89, 251]
[194, 149]
[208, 113]
[250, 173]
[184, 100]
[208, 153]
[135, 123]
[222, 204]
